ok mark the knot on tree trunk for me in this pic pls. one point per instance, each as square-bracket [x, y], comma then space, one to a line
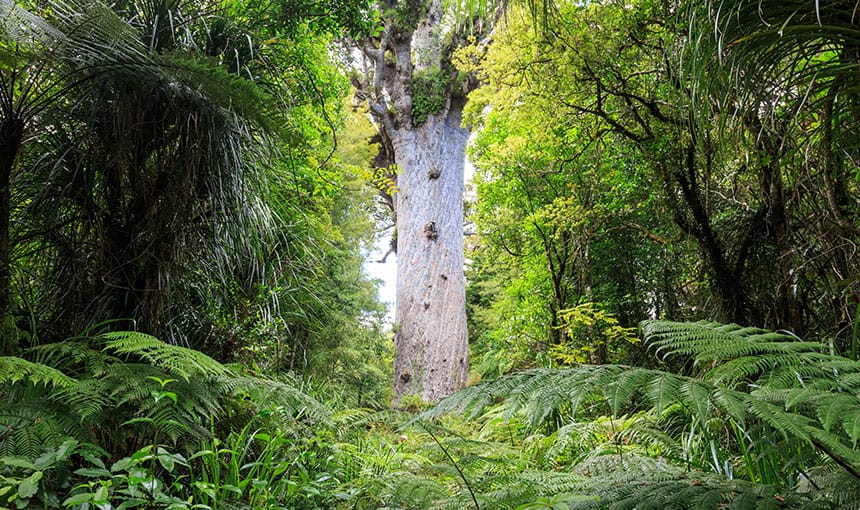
[430, 231]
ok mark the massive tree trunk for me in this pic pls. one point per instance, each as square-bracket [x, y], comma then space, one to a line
[431, 344]
[414, 96]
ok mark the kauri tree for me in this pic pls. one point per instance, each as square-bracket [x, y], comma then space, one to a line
[416, 97]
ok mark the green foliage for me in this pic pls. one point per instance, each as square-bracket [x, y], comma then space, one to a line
[406, 14]
[192, 188]
[146, 478]
[428, 93]
[760, 417]
[167, 417]
[341, 17]
[161, 392]
[27, 483]
[760, 411]
[176, 360]
[590, 333]
[567, 212]
[182, 180]
[429, 466]
[14, 369]
[185, 170]
[652, 158]
[384, 179]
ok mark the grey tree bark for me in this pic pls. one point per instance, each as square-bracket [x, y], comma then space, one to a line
[431, 342]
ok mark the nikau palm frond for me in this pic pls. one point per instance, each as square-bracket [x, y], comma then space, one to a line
[163, 141]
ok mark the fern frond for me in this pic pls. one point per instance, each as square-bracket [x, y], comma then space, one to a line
[654, 440]
[132, 389]
[358, 421]
[711, 342]
[87, 398]
[74, 357]
[179, 361]
[29, 421]
[559, 391]
[574, 441]
[14, 369]
[282, 396]
[764, 405]
[93, 33]
[512, 490]
[504, 491]
[630, 482]
[843, 487]
[544, 392]
[840, 410]
[413, 491]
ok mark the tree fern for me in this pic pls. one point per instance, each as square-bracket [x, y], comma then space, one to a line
[29, 423]
[180, 361]
[75, 356]
[281, 396]
[715, 343]
[13, 370]
[759, 399]
[628, 482]
[486, 475]
[27, 420]
[119, 396]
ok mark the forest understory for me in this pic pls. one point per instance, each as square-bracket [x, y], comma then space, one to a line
[646, 296]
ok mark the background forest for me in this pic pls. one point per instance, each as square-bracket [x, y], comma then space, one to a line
[663, 286]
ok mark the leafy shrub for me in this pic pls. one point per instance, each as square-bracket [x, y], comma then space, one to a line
[428, 93]
[592, 335]
[150, 405]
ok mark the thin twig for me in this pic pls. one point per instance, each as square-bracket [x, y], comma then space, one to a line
[456, 466]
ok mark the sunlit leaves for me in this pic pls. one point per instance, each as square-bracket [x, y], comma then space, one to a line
[564, 202]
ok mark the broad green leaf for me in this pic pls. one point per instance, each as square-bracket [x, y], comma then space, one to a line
[167, 462]
[78, 499]
[131, 503]
[122, 465]
[29, 486]
[101, 494]
[19, 462]
[93, 472]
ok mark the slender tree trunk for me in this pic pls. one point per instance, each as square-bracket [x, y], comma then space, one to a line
[11, 134]
[431, 341]
[694, 218]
